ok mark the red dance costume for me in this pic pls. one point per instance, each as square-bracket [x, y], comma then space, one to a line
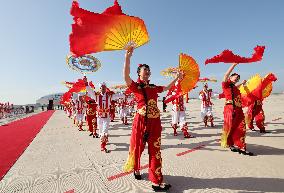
[179, 116]
[123, 110]
[103, 109]
[112, 110]
[80, 108]
[68, 108]
[146, 128]
[255, 112]
[206, 107]
[104, 101]
[91, 116]
[234, 129]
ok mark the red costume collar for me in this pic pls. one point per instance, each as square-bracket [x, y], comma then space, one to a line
[102, 94]
[139, 81]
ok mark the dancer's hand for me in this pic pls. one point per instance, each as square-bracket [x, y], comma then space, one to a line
[244, 82]
[227, 74]
[129, 52]
[180, 75]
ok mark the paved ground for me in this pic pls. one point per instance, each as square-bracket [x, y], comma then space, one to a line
[61, 158]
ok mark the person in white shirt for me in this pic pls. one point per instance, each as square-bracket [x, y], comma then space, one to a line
[103, 99]
[206, 105]
[80, 111]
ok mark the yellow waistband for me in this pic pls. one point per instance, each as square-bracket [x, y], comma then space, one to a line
[230, 102]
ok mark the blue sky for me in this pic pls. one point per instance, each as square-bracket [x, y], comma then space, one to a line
[34, 41]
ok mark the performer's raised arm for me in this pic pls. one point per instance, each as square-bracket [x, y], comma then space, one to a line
[90, 92]
[179, 77]
[227, 74]
[126, 68]
[243, 83]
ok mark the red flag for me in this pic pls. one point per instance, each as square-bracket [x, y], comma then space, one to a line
[227, 56]
[65, 97]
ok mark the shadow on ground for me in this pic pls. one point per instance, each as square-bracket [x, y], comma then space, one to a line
[246, 184]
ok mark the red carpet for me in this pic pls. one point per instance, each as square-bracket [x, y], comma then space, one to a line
[16, 136]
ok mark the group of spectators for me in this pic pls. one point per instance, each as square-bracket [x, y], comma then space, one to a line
[9, 110]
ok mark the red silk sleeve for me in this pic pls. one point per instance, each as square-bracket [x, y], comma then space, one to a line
[225, 85]
[133, 87]
[160, 89]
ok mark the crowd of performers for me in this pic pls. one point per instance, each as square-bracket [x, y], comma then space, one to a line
[98, 109]
[96, 32]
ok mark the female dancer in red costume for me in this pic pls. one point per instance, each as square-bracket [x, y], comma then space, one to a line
[146, 124]
[234, 129]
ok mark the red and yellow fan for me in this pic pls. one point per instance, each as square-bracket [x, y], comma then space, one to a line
[125, 32]
[191, 72]
[256, 88]
[190, 68]
[170, 72]
[110, 30]
[267, 84]
[251, 91]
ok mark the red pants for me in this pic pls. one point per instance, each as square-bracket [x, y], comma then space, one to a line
[154, 144]
[92, 122]
[234, 129]
[255, 112]
[112, 115]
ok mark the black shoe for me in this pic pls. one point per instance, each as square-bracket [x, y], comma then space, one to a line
[91, 134]
[263, 131]
[234, 149]
[137, 176]
[105, 150]
[245, 152]
[95, 136]
[161, 188]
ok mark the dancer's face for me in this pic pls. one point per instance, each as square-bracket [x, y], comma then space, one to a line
[145, 73]
[234, 79]
[205, 87]
[103, 89]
